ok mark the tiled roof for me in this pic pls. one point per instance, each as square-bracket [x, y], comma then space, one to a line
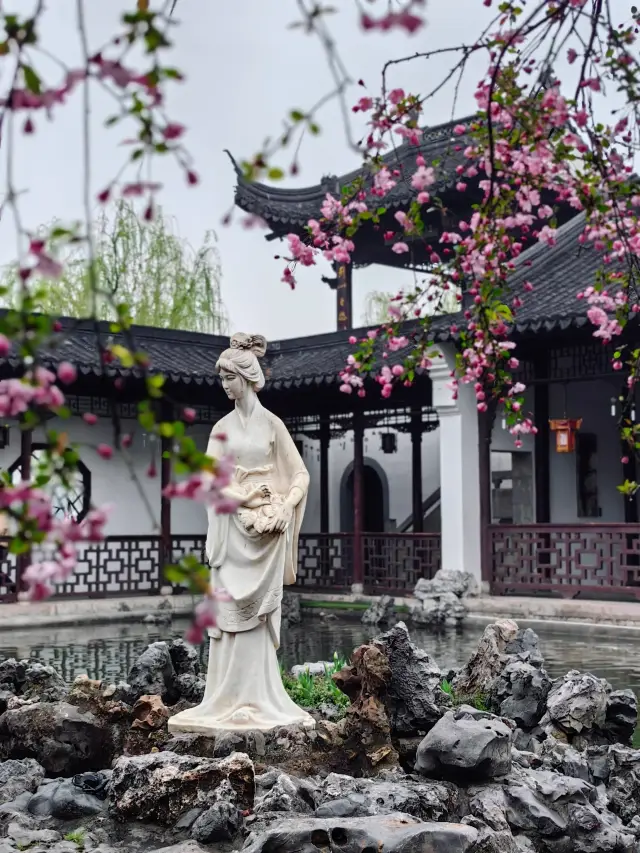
[293, 207]
[558, 273]
[190, 357]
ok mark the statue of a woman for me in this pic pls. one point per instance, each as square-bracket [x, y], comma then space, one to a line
[252, 553]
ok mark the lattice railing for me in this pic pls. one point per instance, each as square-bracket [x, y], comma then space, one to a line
[325, 561]
[183, 546]
[8, 572]
[394, 562]
[121, 565]
[131, 565]
[565, 559]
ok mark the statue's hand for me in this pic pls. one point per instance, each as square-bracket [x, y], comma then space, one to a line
[281, 519]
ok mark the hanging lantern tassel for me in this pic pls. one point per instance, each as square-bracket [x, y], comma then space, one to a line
[565, 431]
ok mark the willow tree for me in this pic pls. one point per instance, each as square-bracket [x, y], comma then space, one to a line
[146, 265]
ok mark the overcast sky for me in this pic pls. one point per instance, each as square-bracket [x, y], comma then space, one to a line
[244, 71]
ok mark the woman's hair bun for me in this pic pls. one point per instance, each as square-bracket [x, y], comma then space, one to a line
[257, 344]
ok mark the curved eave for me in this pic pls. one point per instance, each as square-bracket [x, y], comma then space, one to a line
[295, 206]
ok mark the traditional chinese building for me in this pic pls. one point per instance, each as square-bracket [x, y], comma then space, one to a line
[399, 487]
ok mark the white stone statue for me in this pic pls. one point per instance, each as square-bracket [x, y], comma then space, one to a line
[252, 553]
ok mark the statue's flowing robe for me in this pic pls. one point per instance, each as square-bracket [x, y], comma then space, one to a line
[244, 688]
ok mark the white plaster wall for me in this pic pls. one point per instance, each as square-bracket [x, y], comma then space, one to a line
[397, 467]
[112, 481]
[590, 401]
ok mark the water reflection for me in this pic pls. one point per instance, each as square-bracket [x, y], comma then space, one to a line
[108, 652]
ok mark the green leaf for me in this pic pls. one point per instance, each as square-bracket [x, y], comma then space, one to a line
[174, 574]
[296, 115]
[31, 80]
[146, 420]
[275, 173]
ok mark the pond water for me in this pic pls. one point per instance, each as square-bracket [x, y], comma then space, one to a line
[108, 651]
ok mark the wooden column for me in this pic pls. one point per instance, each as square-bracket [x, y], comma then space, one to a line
[325, 439]
[344, 298]
[542, 445]
[166, 551]
[629, 472]
[26, 449]
[416, 470]
[358, 502]
[485, 426]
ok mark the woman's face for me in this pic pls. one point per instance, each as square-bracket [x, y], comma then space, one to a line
[234, 385]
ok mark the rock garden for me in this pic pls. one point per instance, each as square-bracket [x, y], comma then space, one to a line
[493, 758]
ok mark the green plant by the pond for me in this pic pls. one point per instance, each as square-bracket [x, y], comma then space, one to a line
[77, 836]
[311, 691]
[478, 700]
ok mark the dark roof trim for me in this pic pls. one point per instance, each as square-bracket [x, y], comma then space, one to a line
[280, 206]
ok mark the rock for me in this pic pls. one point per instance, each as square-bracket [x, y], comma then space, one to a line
[182, 847]
[291, 610]
[226, 743]
[445, 610]
[157, 619]
[31, 679]
[221, 822]
[149, 713]
[563, 814]
[564, 759]
[162, 786]
[624, 782]
[18, 776]
[488, 840]
[466, 744]
[366, 727]
[63, 739]
[395, 833]
[444, 582]
[344, 796]
[191, 744]
[153, 674]
[520, 693]
[318, 668]
[191, 687]
[380, 611]
[25, 838]
[621, 716]
[526, 647]
[476, 678]
[414, 699]
[184, 658]
[64, 800]
[577, 702]
[279, 792]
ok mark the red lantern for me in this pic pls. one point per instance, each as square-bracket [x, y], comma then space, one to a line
[565, 431]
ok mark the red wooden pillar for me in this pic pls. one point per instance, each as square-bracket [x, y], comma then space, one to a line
[325, 438]
[416, 471]
[485, 427]
[166, 551]
[26, 450]
[358, 502]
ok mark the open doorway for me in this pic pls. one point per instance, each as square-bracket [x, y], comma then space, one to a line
[376, 499]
